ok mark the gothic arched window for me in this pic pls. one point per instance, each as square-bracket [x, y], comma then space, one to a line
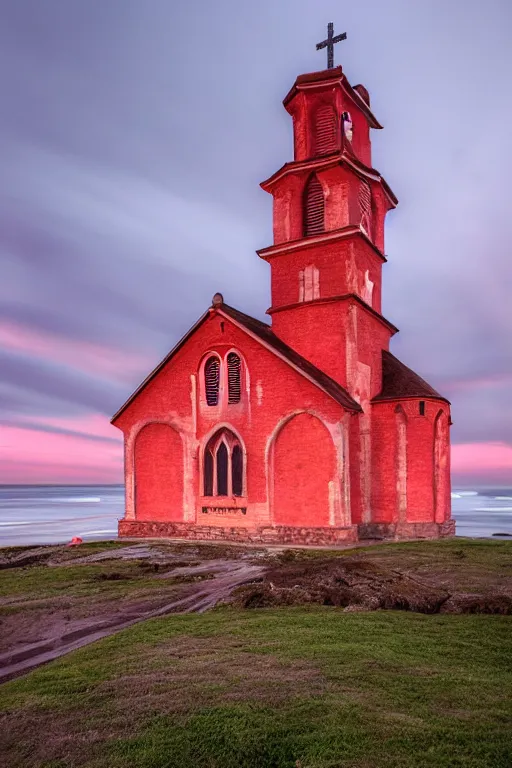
[313, 207]
[212, 380]
[325, 130]
[223, 465]
[234, 378]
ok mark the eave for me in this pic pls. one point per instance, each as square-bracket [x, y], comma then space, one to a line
[330, 161]
[326, 238]
[331, 299]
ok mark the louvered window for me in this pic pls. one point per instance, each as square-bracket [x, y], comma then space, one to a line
[234, 378]
[211, 380]
[326, 135]
[313, 207]
[223, 471]
[365, 207]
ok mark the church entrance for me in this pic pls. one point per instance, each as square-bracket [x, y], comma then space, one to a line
[158, 474]
[303, 464]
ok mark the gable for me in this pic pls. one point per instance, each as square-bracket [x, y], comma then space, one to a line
[263, 336]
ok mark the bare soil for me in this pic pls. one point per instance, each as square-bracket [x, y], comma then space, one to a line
[429, 577]
[34, 631]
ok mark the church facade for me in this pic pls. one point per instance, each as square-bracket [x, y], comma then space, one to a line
[307, 430]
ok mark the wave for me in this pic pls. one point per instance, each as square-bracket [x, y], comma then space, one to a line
[495, 509]
[17, 522]
[94, 533]
[57, 521]
[76, 500]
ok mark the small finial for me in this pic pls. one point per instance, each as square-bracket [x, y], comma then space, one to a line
[217, 300]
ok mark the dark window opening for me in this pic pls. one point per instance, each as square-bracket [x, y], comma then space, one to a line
[237, 470]
[313, 207]
[222, 470]
[212, 380]
[234, 378]
[422, 407]
[208, 474]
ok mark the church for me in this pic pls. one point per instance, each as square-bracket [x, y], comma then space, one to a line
[305, 429]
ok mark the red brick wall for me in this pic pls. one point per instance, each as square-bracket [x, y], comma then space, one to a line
[303, 108]
[273, 390]
[342, 267]
[420, 462]
[304, 464]
[159, 473]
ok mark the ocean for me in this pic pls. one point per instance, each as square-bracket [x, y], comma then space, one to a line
[53, 514]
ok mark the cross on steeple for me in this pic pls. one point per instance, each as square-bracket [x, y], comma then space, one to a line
[329, 44]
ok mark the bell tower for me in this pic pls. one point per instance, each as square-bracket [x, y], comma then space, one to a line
[328, 215]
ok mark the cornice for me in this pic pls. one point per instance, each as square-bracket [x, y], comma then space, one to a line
[331, 299]
[330, 161]
[326, 238]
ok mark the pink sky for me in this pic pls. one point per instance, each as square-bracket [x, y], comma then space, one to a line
[95, 453]
[32, 456]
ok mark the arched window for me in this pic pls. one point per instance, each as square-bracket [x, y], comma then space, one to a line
[212, 380]
[234, 378]
[347, 126]
[325, 131]
[313, 207]
[223, 469]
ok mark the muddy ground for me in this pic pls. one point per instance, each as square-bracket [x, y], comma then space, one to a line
[57, 599]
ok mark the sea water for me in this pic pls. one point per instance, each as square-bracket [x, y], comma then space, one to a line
[53, 514]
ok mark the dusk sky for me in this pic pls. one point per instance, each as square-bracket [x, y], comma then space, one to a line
[133, 139]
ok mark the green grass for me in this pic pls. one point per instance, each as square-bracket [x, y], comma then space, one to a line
[41, 582]
[315, 688]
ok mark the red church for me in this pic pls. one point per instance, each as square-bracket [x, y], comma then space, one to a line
[306, 430]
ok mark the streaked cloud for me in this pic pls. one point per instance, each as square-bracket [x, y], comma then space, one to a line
[131, 158]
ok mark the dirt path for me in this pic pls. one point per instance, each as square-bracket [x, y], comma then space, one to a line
[227, 575]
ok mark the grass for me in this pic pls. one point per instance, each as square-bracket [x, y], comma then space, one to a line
[301, 687]
[308, 687]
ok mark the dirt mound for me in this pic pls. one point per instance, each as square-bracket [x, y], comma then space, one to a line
[466, 603]
[357, 584]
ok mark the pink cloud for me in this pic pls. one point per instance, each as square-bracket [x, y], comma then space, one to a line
[484, 382]
[90, 358]
[31, 456]
[478, 458]
[92, 424]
